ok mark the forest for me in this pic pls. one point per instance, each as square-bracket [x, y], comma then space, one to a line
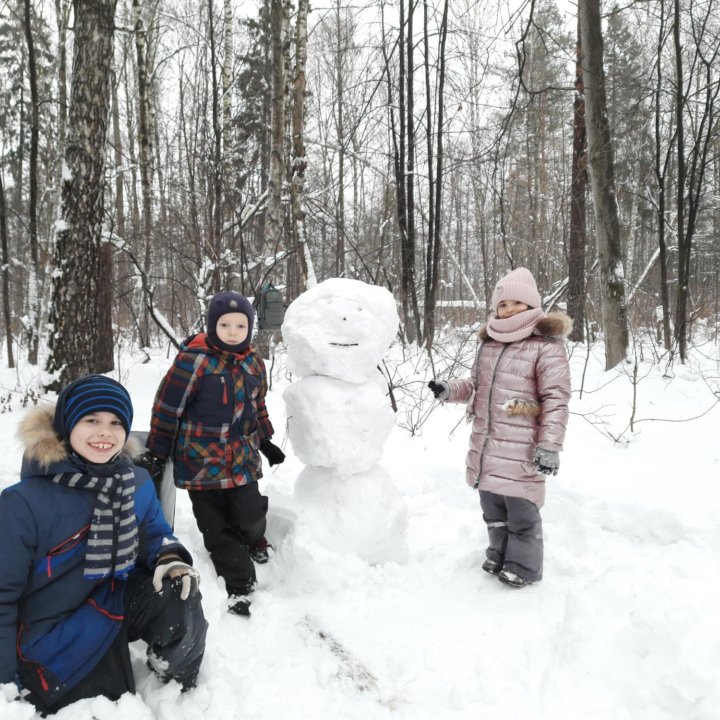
[154, 152]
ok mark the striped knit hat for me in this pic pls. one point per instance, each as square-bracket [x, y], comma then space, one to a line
[91, 394]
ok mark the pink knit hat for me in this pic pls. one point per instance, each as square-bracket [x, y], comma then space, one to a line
[517, 285]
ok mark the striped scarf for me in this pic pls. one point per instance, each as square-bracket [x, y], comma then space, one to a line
[113, 539]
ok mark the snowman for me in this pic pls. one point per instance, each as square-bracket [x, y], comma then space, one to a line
[339, 417]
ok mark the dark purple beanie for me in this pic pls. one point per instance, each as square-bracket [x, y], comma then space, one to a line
[222, 304]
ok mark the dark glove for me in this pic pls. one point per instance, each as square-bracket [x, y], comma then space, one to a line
[272, 452]
[440, 390]
[548, 461]
[152, 463]
[181, 575]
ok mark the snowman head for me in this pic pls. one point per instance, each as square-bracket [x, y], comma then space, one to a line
[340, 328]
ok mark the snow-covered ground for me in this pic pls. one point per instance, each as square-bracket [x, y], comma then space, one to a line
[624, 626]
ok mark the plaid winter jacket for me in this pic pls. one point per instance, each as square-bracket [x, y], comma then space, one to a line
[211, 405]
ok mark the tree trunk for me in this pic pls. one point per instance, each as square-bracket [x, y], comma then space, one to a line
[409, 284]
[578, 192]
[117, 156]
[683, 249]
[273, 214]
[216, 233]
[146, 154]
[660, 174]
[435, 175]
[398, 140]
[76, 312]
[7, 313]
[299, 161]
[340, 139]
[602, 179]
[33, 323]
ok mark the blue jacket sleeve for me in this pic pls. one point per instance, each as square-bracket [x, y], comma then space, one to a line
[156, 536]
[18, 539]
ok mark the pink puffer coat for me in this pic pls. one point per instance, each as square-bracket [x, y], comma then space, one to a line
[517, 395]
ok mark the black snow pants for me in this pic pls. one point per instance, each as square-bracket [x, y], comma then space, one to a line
[230, 522]
[173, 629]
[515, 534]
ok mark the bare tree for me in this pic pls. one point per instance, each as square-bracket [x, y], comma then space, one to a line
[7, 313]
[299, 160]
[33, 323]
[602, 178]
[435, 173]
[691, 169]
[578, 192]
[274, 212]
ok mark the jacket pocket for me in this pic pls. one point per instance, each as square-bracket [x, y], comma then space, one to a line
[55, 660]
[246, 458]
[63, 551]
[202, 458]
[214, 400]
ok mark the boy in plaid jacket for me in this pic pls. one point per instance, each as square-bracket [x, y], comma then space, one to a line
[209, 413]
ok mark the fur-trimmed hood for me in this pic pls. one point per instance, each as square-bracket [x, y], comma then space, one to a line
[43, 446]
[552, 325]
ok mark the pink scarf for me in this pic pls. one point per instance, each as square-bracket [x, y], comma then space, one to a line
[517, 327]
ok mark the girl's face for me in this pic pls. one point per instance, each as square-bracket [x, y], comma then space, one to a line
[232, 328]
[98, 437]
[508, 308]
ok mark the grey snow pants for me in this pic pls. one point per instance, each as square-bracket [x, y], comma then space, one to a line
[515, 534]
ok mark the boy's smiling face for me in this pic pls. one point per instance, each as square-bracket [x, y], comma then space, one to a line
[98, 437]
[232, 328]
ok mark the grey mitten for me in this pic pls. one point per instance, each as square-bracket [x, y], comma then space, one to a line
[440, 390]
[548, 461]
[187, 577]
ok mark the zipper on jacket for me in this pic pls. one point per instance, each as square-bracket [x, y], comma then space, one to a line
[489, 417]
[65, 546]
[224, 384]
[37, 666]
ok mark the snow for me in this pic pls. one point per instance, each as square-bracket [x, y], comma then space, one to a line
[625, 624]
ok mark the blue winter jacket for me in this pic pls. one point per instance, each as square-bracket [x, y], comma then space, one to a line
[56, 625]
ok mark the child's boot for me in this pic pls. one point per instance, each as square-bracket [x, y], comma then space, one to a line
[513, 579]
[492, 567]
[260, 551]
[239, 605]
[239, 600]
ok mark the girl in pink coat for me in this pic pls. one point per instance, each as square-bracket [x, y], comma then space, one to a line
[517, 398]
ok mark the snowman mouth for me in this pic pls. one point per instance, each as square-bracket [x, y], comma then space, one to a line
[344, 344]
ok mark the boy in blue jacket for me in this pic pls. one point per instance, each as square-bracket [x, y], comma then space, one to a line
[88, 562]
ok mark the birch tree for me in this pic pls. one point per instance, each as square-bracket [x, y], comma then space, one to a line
[75, 311]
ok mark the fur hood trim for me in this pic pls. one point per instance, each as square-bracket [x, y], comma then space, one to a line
[42, 444]
[552, 325]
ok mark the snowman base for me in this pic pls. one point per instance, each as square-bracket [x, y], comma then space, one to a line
[363, 514]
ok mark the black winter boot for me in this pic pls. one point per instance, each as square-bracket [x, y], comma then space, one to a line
[239, 605]
[492, 567]
[260, 551]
